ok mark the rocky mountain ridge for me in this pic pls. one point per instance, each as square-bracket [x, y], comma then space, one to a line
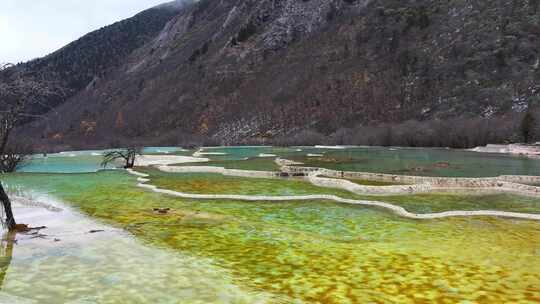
[238, 71]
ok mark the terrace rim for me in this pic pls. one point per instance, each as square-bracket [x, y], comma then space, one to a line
[337, 179]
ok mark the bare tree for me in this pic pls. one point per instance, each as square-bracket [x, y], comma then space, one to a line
[528, 125]
[10, 219]
[15, 156]
[127, 155]
[17, 96]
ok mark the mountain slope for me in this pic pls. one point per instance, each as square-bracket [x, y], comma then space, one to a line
[249, 70]
[92, 56]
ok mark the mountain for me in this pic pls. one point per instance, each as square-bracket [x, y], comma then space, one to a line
[240, 71]
[91, 57]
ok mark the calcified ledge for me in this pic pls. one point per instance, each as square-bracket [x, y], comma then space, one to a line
[142, 179]
[333, 179]
[410, 184]
[515, 184]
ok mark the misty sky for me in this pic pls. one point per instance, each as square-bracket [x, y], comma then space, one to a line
[35, 28]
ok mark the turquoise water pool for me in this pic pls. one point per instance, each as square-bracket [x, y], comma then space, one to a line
[65, 163]
[226, 251]
[405, 161]
[425, 162]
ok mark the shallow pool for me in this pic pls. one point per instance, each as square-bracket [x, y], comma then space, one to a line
[226, 251]
[424, 162]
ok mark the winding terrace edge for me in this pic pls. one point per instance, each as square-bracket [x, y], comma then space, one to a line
[143, 180]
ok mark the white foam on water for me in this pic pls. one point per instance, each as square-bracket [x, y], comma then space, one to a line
[267, 155]
[331, 147]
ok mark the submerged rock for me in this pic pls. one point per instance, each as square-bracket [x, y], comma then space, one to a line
[442, 165]
[96, 231]
[162, 210]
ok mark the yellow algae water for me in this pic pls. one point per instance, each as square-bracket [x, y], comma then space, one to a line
[207, 183]
[289, 252]
[421, 161]
[66, 263]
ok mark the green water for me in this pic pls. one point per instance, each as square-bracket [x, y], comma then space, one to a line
[408, 161]
[242, 153]
[70, 163]
[205, 183]
[425, 162]
[70, 265]
[314, 251]
[166, 151]
[363, 182]
[256, 163]
[209, 183]
[224, 251]
[405, 161]
[85, 161]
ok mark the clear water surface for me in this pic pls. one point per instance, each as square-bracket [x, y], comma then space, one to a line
[226, 251]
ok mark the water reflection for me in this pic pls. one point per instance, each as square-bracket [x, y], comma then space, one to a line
[6, 254]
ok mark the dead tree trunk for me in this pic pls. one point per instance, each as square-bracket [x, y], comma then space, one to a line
[132, 155]
[4, 199]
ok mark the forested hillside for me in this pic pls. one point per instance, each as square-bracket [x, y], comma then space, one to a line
[235, 71]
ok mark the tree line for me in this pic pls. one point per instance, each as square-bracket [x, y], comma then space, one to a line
[460, 133]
